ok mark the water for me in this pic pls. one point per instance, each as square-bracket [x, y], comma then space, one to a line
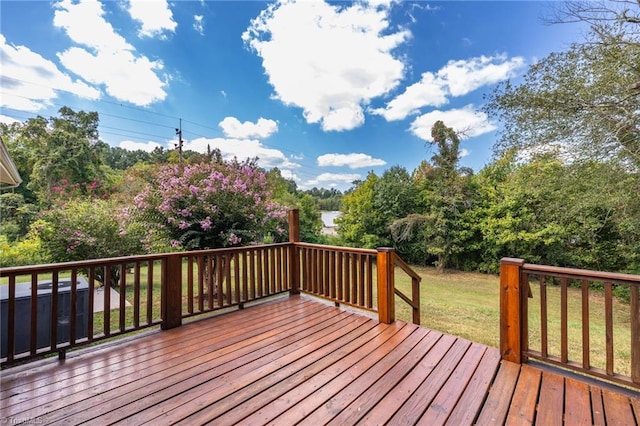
[328, 218]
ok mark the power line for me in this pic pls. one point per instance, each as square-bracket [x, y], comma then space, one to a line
[303, 170]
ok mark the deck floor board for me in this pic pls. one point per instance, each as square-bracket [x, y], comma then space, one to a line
[296, 360]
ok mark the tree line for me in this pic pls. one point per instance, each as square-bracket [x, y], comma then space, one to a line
[82, 199]
[562, 189]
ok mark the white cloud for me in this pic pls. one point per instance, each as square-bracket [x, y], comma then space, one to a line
[243, 149]
[465, 76]
[329, 60]
[429, 91]
[353, 161]
[28, 80]
[343, 180]
[467, 122]
[144, 146]
[107, 58]
[233, 128]
[456, 78]
[198, 24]
[155, 16]
[5, 119]
[464, 153]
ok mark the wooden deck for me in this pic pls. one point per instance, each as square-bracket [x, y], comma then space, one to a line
[298, 361]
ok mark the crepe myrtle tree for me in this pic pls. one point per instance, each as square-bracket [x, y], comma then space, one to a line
[213, 205]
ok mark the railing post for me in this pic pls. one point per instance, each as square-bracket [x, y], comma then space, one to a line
[294, 259]
[172, 292]
[635, 333]
[511, 309]
[386, 285]
[415, 297]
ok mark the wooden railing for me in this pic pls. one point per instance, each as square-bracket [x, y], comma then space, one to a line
[522, 339]
[222, 278]
[163, 289]
[340, 274]
[50, 308]
[151, 290]
[414, 301]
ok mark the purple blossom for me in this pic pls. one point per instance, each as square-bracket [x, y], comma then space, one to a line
[206, 223]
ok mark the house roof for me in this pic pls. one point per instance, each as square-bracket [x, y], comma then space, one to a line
[9, 176]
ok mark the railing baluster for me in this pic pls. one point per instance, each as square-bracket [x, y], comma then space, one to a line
[227, 269]
[150, 280]
[190, 284]
[252, 264]
[586, 362]
[564, 338]
[123, 294]
[210, 278]
[346, 278]
[106, 302]
[201, 276]
[54, 311]
[370, 283]
[260, 272]
[136, 295]
[236, 277]
[635, 334]
[91, 290]
[73, 307]
[33, 332]
[544, 318]
[361, 282]
[608, 313]
[245, 281]
[11, 319]
[278, 267]
[339, 282]
[354, 278]
[332, 274]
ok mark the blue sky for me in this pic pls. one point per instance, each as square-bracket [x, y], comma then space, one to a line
[324, 91]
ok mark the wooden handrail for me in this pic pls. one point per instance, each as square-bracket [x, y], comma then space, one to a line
[515, 292]
[414, 301]
[354, 250]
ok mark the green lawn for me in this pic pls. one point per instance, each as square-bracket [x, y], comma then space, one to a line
[468, 305]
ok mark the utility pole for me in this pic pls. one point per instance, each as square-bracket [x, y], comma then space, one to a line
[179, 145]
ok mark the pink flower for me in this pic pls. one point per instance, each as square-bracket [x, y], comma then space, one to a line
[183, 225]
[206, 223]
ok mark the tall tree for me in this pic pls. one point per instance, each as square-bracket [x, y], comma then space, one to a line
[444, 192]
[360, 223]
[212, 205]
[584, 101]
[58, 150]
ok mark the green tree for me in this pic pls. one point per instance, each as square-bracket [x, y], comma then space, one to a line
[89, 228]
[15, 215]
[445, 196]
[583, 101]
[56, 150]
[359, 224]
[212, 205]
[310, 220]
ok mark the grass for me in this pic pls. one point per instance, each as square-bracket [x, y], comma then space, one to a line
[468, 305]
